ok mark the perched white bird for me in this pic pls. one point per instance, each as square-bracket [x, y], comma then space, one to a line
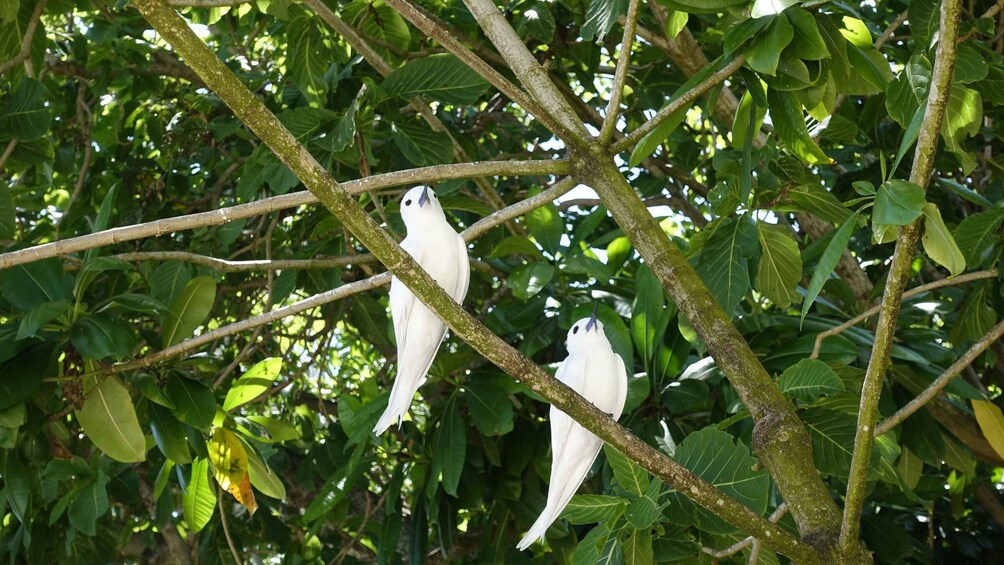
[597, 373]
[434, 244]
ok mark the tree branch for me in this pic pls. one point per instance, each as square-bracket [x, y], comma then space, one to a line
[253, 112]
[899, 272]
[429, 27]
[686, 99]
[620, 74]
[942, 381]
[961, 279]
[531, 75]
[292, 200]
[29, 34]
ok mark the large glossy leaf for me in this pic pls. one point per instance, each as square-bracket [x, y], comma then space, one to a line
[99, 336]
[194, 402]
[650, 316]
[991, 422]
[264, 478]
[309, 56]
[199, 502]
[938, 242]
[898, 203]
[592, 508]
[977, 234]
[601, 15]
[421, 145]
[27, 286]
[547, 227]
[23, 114]
[451, 448]
[253, 382]
[108, 417]
[529, 279]
[189, 310]
[780, 264]
[717, 458]
[441, 77]
[724, 262]
[169, 434]
[764, 53]
[90, 504]
[379, 21]
[489, 405]
[809, 379]
[789, 124]
[628, 474]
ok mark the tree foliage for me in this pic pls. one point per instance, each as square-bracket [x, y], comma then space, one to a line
[152, 409]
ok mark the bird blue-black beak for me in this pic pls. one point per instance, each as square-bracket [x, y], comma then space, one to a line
[592, 320]
[424, 198]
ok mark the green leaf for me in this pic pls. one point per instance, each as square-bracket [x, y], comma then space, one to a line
[675, 22]
[528, 280]
[451, 448]
[421, 145]
[924, 20]
[832, 433]
[717, 458]
[809, 379]
[588, 550]
[703, 6]
[828, 261]
[970, 66]
[263, 477]
[108, 418]
[627, 473]
[818, 201]
[89, 505]
[534, 20]
[39, 316]
[23, 115]
[592, 508]
[17, 484]
[780, 264]
[278, 430]
[27, 286]
[199, 502]
[8, 213]
[31, 366]
[898, 203]
[789, 124]
[723, 264]
[189, 310]
[99, 336]
[938, 242]
[489, 405]
[379, 21]
[642, 512]
[977, 234]
[650, 316]
[8, 10]
[637, 548]
[441, 77]
[253, 383]
[909, 468]
[194, 402]
[807, 43]
[601, 15]
[515, 245]
[168, 280]
[763, 54]
[357, 420]
[308, 57]
[169, 434]
[546, 226]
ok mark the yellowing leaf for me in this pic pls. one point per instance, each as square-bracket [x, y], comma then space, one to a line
[230, 461]
[991, 421]
[242, 492]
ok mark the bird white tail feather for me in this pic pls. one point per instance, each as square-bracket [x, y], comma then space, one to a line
[557, 501]
[397, 406]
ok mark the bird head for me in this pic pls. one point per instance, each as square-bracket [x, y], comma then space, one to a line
[420, 205]
[586, 334]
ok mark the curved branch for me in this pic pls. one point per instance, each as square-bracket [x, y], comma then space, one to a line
[899, 272]
[686, 99]
[292, 200]
[29, 34]
[253, 112]
[961, 279]
[942, 381]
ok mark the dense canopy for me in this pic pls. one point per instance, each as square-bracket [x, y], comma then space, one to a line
[787, 214]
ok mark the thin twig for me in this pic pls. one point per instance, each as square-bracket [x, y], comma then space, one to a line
[29, 34]
[899, 273]
[620, 74]
[961, 279]
[7, 152]
[226, 528]
[942, 381]
[891, 29]
[685, 99]
[264, 206]
[735, 548]
[426, 25]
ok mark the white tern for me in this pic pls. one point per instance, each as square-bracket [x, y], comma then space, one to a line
[440, 250]
[597, 373]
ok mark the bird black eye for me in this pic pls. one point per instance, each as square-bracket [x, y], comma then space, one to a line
[434, 196]
[575, 330]
[407, 202]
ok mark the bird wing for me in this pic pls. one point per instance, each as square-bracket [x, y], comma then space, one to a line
[463, 272]
[620, 374]
[572, 372]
